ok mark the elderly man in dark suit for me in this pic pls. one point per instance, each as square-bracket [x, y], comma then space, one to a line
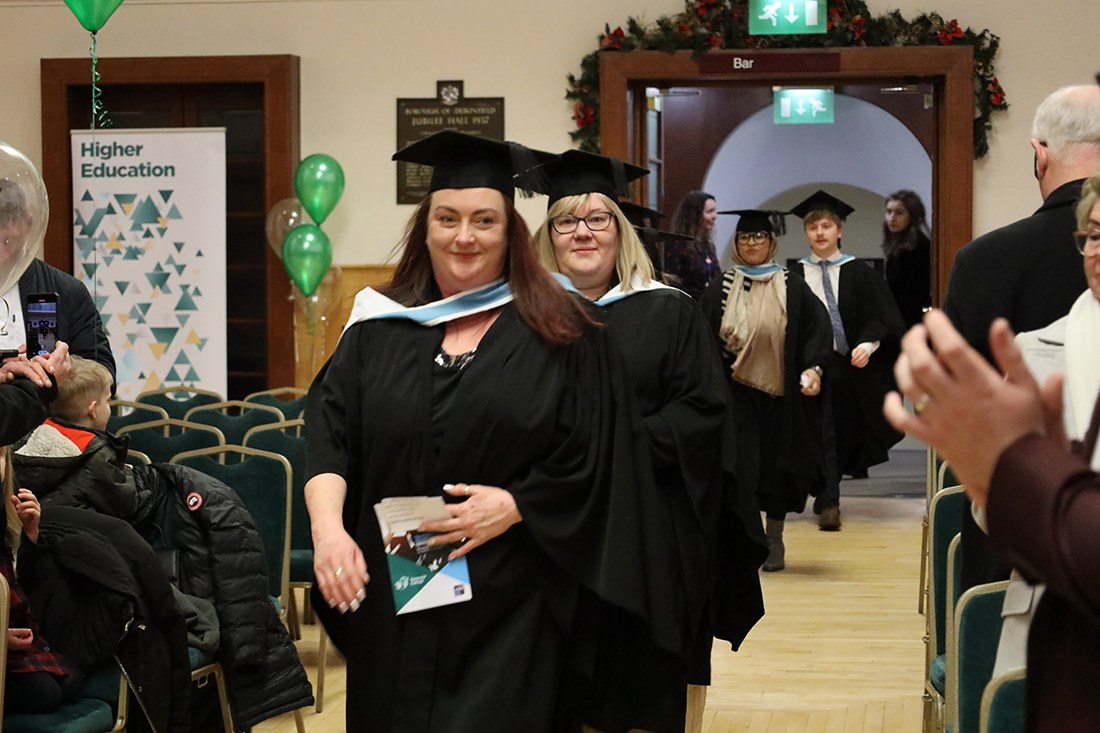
[1028, 272]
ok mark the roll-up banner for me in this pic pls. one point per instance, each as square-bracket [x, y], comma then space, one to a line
[149, 244]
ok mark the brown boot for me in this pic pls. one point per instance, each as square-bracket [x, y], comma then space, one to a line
[830, 519]
[773, 531]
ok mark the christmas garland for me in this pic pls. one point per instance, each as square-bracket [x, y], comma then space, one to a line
[704, 25]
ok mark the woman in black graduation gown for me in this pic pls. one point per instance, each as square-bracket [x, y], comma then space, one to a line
[473, 374]
[907, 249]
[775, 338]
[676, 376]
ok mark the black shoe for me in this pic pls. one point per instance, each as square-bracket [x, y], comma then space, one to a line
[776, 556]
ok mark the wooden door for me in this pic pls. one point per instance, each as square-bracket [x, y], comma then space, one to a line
[256, 99]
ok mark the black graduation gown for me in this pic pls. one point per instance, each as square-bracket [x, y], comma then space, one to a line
[681, 392]
[779, 438]
[909, 277]
[578, 600]
[863, 435]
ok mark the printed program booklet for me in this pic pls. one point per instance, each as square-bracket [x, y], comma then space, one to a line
[421, 577]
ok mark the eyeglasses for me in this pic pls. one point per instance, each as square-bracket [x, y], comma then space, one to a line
[597, 221]
[754, 237]
[1088, 243]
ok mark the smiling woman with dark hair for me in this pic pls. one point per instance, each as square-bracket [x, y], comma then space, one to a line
[475, 376]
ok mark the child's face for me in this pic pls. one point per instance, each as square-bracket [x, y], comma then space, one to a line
[102, 410]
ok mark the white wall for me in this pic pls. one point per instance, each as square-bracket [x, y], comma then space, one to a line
[358, 56]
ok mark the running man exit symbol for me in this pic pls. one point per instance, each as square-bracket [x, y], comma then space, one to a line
[786, 17]
[802, 106]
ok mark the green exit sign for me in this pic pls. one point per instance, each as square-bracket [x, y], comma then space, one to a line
[787, 17]
[803, 106]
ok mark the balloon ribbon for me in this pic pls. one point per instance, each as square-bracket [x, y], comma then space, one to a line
[99, 112]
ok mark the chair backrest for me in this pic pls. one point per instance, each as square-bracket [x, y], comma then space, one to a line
[262, 480]
[1004, 703]
[945, 520]
[287, 439]
[5, 609]
[291, 401]
[953, 590]
[234, 417]
[973, 652]
[126, 412]
[159, 440]
[945, 476]
[176, 401]
[137, 458]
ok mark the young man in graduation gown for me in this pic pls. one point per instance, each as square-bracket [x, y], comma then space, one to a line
[866, 329]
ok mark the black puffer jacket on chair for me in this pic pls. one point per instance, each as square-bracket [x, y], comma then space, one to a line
[219, 557]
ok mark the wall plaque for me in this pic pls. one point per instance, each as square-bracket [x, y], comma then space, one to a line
[418, 118]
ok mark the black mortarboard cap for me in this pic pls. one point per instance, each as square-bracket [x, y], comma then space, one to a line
[577, 172]
[821, 201]
[759, 220]
[636, 214]
[461, 160]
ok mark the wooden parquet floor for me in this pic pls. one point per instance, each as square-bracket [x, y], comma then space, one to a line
[839, 649]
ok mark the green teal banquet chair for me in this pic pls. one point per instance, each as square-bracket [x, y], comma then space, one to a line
[291, 401]
[126, 412]
[262, 480]
[93, 710]
[234, 417]
[945, 519]
[287, 438]
[176, 401]
[972, 652]
[159, 440]
[1004, 703]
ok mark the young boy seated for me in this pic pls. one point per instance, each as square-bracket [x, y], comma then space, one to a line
[71, 459]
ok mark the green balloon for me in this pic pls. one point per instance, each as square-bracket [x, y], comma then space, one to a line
[307, 255]
[93, 14]
[319, 183]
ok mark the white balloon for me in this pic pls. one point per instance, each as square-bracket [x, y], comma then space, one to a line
[24, 213]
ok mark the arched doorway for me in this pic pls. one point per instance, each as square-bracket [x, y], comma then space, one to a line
[763, 165]
[625, 76]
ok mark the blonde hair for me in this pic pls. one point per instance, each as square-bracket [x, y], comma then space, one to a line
[822, 214]
[1090, 194]
[631, 259]
[86, 381]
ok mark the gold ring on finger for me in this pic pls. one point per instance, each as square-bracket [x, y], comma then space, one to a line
[922, 403]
